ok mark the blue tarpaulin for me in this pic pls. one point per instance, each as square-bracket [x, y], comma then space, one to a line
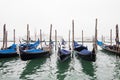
[13, 46]
[34, 51]
[85, 52]
[7, 51]
[63, 51]
[30, 46]
[100, 43]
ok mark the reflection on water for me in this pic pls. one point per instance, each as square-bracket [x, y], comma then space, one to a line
[105, 65]
[117, 69]
[62, 69]
[109, 53]
[3, 61]
[115, 60]
[9, 68]
[3, 65]
[88, 68]
[32, 67]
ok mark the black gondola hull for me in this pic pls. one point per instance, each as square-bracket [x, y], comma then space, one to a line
[89, 57]
[27, 56]
[64, 57]
[8, 55]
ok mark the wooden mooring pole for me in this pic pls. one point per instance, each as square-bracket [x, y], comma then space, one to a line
[69, 41]
[55, 39]
[4, 31]
[117, 37]
[14, 36]
[41, 37]
[27, 33]
[72, 34]
[110, 36]
[35, 34]
[72, 38]
[6, 34]
[96, 33]
[50, 40]
[29, 36]
[102, 38]
[82, 37]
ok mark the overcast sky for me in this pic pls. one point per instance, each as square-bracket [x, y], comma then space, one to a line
[39, 14]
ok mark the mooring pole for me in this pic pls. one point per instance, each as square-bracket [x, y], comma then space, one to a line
[29, 36]
[72, 37]
[35, 34]
[111, 37]
[27, 33]
[72, 34]
[4, 32]
[41, 37]
[55, 39]
[82, 37]
[96, 33]
[14, 36]
[117, 37]
[69, 41]
[50, 40]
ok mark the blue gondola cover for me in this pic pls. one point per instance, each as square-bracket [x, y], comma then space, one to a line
[34, 51]
[85, 52]
[63, 51]
[100, 43]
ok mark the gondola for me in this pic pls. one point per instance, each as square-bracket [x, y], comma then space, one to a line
[110, 48]
[115, 49]
[63, 52]
[84, 53]
[32, 54]
[9, 52]
[31, 51]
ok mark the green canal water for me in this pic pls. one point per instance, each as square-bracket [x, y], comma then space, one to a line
[106, 67]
